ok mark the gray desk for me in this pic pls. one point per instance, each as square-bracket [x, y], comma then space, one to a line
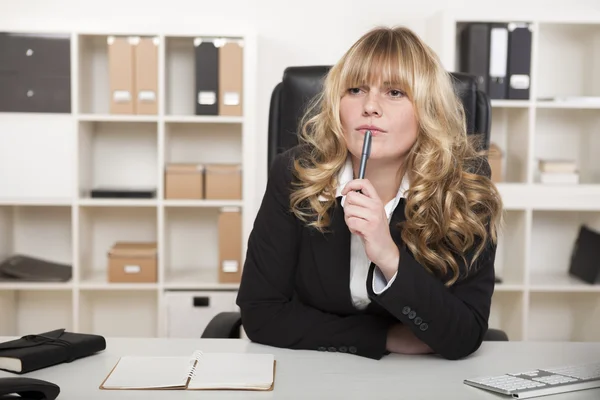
[320, 375]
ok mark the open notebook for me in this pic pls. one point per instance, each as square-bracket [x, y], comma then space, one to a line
[201, 371]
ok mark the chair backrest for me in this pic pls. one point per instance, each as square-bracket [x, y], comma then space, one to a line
[301, 84]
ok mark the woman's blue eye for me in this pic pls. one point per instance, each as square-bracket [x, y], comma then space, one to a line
[354, 90]
[396, 93]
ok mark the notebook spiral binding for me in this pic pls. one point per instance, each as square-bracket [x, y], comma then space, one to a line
[193, 362]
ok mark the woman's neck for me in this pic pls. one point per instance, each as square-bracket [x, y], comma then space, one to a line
[385, 177]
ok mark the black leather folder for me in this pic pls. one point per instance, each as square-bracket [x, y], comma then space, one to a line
[33, 352]
[207, 78]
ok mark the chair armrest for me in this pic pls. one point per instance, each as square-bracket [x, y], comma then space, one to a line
[225, 325]
[496, 335]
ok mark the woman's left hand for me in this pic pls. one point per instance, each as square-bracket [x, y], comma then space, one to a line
[365, 216]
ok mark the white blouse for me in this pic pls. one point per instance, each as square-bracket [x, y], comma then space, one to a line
[359, 262]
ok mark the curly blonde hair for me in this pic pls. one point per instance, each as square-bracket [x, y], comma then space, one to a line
[453, 210]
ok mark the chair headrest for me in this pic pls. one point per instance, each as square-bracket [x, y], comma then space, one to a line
[300, 85]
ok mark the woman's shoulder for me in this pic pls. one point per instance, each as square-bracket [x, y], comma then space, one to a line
[281, 170]
[478, 165]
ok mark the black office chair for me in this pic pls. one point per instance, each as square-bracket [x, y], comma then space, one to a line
[288, 104]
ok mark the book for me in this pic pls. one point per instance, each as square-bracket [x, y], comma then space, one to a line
[33, 352]
[200, 371]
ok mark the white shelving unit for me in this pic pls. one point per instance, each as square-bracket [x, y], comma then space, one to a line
[49, 162]
[538, 299]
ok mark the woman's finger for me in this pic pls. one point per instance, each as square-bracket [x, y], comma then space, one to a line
[362, 185]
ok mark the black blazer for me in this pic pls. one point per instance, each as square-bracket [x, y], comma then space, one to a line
[295, 288]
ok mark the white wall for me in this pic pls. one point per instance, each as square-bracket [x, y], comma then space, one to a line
[289, 33]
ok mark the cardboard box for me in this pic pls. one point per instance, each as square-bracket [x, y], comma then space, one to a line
[132, 262]
[230, 245]
[184, 181]
[495, 160]
[223, 182]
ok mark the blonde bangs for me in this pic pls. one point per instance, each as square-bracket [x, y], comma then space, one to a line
[378, 60]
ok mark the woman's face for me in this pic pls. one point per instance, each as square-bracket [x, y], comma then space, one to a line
[387, 113]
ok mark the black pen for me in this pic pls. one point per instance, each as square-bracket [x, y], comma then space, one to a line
[366, 152]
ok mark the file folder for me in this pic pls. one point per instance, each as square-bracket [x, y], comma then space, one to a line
[497, 88]
[231, 61]
[230, 245]
[146, 76]
[207, 77]
[519, 60]
[121, 59]
[475, 52]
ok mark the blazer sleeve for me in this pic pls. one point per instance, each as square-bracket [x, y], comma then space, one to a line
[271, 312]
[452, 321]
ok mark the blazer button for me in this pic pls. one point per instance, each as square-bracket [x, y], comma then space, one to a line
[412, 315]
[418, 321]
[343, 349]
[352, 349]
[423, 326]
[332, 349]
[322, 348]
[406, 310]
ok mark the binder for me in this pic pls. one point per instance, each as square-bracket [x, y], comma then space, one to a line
[146, 76]
[33, 352]
[230, 245]
[207, 77]
[497, 87]
[231, 59]
[475, 52]
[519, 60]
[121, 57]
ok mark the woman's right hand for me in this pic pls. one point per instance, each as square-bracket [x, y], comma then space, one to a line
[401, 340]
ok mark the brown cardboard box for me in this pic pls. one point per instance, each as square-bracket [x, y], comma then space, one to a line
[230, 245]
[495, 161]
[184, 181]
[132, 262]
[223, 182]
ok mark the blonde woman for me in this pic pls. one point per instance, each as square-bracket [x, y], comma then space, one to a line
[401, 261]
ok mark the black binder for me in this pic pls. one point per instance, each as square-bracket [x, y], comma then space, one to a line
[584, 263]
[475, 52]
[207, 78]
[519, 60]
[33, 352]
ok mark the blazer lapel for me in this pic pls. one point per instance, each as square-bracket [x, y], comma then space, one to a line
[331, 252]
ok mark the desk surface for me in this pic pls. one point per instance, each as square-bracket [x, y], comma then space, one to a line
[323, 375]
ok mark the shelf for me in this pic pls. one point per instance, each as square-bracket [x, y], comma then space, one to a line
[203, 119]
[203, 203]
[110, 313]
[579, 197]
[567, 60]
[497, 103]
[507, 314]
[97, 280]
[560, 282]
[99, 202]
[36, 157]
[553, 237]
[564, 317]
[572, 135]
[36, 231]
[571, 104]
[196, 279]
[117, 154]
[117, 118]
[35, 311]
[184, 229]
[101, 227]
[206, 143]
[510, 127]
[47, 202]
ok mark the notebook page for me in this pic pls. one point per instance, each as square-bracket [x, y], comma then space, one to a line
[233, 371]
[132, 372]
